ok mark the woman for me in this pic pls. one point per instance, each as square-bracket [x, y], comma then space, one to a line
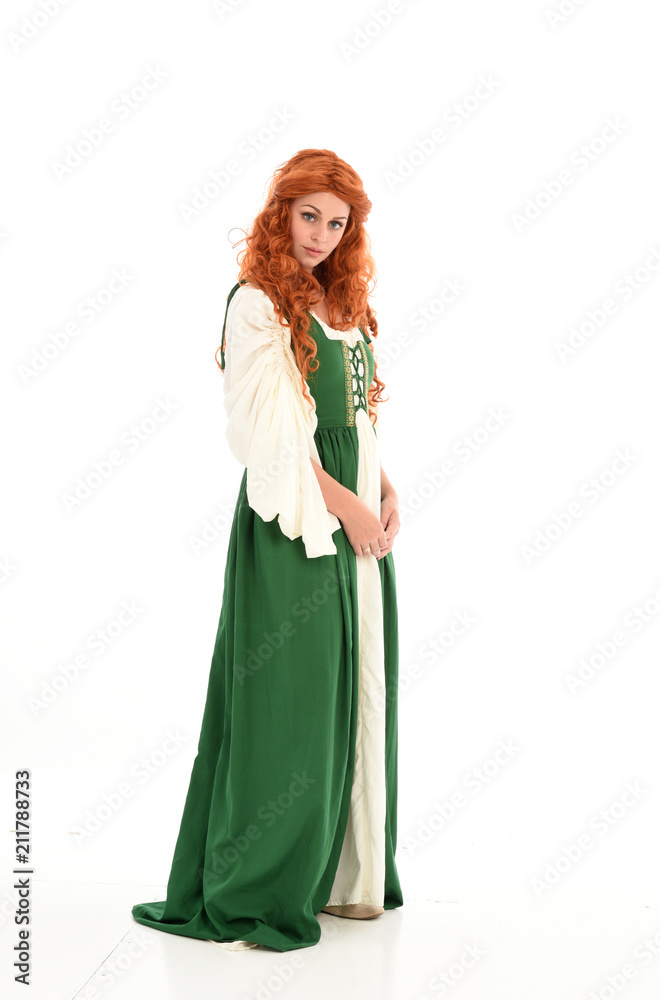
[291, 808]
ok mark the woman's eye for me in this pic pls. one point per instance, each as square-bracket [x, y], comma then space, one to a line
[335, 223]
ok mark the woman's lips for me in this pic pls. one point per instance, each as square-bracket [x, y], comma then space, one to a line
[314, 253]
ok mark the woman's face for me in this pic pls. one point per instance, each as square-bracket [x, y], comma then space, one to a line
[318, 222]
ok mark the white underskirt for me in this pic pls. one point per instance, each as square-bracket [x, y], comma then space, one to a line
[360, 874]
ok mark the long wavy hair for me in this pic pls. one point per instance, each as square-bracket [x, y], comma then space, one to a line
[347, 275]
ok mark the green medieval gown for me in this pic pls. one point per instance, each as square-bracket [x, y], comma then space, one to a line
[293, 793]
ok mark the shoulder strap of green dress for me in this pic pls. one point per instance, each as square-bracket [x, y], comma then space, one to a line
[224, 325]
[365, 335]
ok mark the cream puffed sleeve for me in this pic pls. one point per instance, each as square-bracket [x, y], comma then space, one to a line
[270, 429]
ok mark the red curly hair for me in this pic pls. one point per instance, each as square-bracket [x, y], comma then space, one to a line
[347, 275]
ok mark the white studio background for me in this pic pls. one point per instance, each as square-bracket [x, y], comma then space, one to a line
[511, 153]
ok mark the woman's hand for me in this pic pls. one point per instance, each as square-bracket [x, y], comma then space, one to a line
[365, 532]
[389, 518]
[363, 529]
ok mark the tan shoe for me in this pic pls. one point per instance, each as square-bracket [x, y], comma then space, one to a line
[234, 945]
[357, 911]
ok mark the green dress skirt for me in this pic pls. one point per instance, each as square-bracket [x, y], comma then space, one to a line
[267, 807]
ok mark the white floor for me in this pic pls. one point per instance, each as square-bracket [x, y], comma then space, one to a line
[495, 945]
